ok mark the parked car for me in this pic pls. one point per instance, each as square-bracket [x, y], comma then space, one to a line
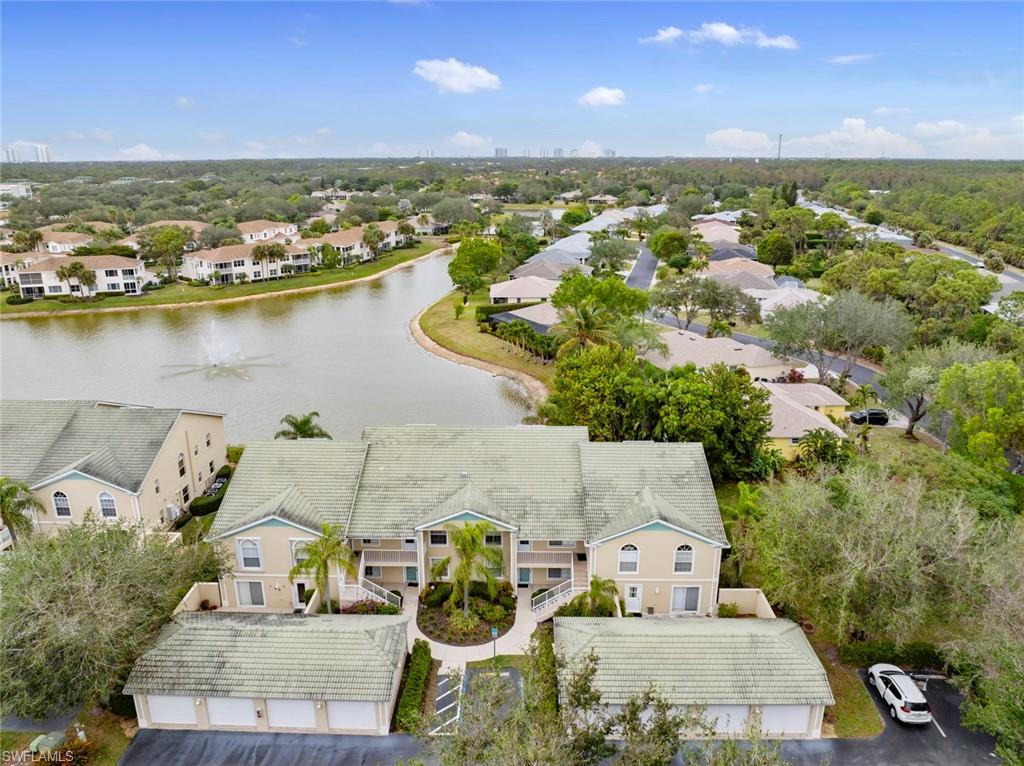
[871, 417]
[900, 694]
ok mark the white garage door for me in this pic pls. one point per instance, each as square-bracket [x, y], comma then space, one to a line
[231, 711]
[728, 719]
[785, 719]
[352, 715]
[163, 709]
[291, 714]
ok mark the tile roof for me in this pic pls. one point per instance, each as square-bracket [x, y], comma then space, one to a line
[40, 440]
[791, 420]
[324, 657]
[548, 269]
[742, 280]
[685, 347]
[91, 262]
[630, 483]
[66, 237]
[260, 225]
[308, 481]
[808, 394]
[739, 264]
[698, 661]
[524, 287]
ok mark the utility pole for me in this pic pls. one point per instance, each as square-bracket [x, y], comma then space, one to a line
[779, 155]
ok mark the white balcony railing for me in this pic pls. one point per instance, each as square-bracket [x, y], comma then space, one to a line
[544, 601]
[552, 559]
[373, 557]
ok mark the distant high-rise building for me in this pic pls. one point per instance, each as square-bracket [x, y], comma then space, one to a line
[543, 152]
[609, 152]
[23, 152]
[574, 152]
[526, 153]
[10, 154]
[559, 153]
[501, 151]
[42, 153]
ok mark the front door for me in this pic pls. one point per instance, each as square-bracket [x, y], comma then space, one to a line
[524, 576]
[412, 576]
[634, 598]
[299, 595]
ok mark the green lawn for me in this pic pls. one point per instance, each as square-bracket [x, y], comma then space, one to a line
[854, 714]
[180, 292]
[104, 729]
[502, 661]
[196, 528]
[463, 337]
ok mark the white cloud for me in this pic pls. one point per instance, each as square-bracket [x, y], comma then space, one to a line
[940, 129]
[590, 148]
[602, 96]
[737, 141]
[211, 136]
[184, 103]
[140, 152]
[703, 87]
[465, 140]
[854, 139]
[664, 36]
[454, 76]
[954, 140]
[885, 111]
[1019, 119]
[315, 137]
[726, 34]
[851, 58]
[254, 150]
[296, 40]
[99, 135]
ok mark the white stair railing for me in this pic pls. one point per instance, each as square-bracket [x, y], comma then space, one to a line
[548, 598]
[379, 593]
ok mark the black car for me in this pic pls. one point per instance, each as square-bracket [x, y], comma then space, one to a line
[871, 417]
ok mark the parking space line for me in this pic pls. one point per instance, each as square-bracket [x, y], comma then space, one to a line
[938, 727]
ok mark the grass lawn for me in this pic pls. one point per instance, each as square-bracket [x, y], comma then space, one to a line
[104, 729]
[502, 661]
[180, 292]
[196, 528]
[11, 741]
[854, 714]
[462, 336]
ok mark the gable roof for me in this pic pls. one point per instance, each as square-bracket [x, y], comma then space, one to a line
[260, 225]
[41, 440]
[698, 661]
[323, 657]
[91, 262]
[808, 394]
[524, 287]
[627, 484]
[309, 482]
[548, 269]
[743, 280]
[685, 347]
[472, 499]
[791, 420]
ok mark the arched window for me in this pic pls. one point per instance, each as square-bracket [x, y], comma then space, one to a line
[249, 553]
[181, 464]
[629, 559]
[61, 506]
[108, 508]
[683, 562]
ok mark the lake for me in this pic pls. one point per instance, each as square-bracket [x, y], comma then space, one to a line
[346, 353]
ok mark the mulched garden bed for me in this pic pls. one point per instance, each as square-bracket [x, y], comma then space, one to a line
[435, 624]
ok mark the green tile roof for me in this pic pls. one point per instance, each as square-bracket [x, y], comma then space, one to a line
[646, 507]
[323, 657]
[614, 474]
[698, 661]
[40, 440]
[309, 481]
[469, 498]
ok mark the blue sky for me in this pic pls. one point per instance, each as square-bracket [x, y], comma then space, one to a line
[218, 80]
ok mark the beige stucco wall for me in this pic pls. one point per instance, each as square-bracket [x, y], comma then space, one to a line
[654, 573]
[276, 540]
[83, 495]
[789, 450]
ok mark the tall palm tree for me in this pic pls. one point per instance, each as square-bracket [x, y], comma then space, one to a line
[16, 500]
[739, 519]
[863, 396]
[79, 272]
[584, 326]
[302, 427]
[321, 554]
[600, 597]
[477, 560]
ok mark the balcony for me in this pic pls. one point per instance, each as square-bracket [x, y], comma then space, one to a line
[386, 558]
[544, 559]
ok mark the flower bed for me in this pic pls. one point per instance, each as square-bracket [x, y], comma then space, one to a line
[442, 621]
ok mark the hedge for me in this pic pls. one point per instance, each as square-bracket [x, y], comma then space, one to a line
[438, 595]
[913, 654]
[410, 706]
[17, 300]
[485, 312]
[224, 472]
[205, 504]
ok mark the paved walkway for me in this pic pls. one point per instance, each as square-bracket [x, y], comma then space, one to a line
[452, 657]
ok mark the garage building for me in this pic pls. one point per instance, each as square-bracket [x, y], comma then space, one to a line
[745, 673]
[272, 672]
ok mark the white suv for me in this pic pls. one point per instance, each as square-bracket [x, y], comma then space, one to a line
[900, 694]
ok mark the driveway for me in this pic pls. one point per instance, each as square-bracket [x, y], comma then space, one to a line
[643, 270]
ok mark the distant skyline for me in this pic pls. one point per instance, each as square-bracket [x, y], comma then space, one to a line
[151, 81]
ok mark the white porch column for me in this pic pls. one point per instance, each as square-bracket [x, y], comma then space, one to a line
[420, 571]
[513, 576]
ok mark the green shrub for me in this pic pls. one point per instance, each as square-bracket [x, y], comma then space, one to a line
[410, 706]
[479, 590]
[439, 593]
[727, 610]
[17, 300]
[204, 505]
[224, 472]
[182, 520]
[335, 609]
[507, 603]
[371, 606]
[122, 704]
[492, 613]
[153, 286]
[913, 654]
[462, 622]
[540, 590]
[235, 453]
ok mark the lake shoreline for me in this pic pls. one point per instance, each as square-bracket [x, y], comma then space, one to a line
[221, 301]
[536, 391]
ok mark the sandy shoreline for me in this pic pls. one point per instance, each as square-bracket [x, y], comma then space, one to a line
[535, 389]
[219, 301]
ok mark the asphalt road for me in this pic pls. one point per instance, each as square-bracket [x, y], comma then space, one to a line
[643, 270]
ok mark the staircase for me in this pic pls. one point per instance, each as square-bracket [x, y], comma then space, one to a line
[545, 604]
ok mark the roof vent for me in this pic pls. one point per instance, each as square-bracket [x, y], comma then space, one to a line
[465, 474]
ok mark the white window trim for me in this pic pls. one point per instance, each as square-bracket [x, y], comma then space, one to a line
[182, 465]
[241, 558]
[378, 571]
[447, 572]
[561, 573]
[430, 537]
[295, 542]
[700, 596]
[53, 500]
[693, 559]
[263, 592]
[99, 504]
[370, 542]
[619, 560]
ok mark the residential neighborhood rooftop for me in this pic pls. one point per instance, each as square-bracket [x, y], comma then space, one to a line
[685, 347]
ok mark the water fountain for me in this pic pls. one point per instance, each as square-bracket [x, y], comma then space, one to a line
[222, 358]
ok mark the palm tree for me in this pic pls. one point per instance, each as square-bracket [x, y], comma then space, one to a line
[302, 427]
[584, 326]
[863, 396]
[739, 519]
[16, 499]
[327, 550]
[600, 598]
[477, 560]
[78, 271]
[373, 239]
[863, 437]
